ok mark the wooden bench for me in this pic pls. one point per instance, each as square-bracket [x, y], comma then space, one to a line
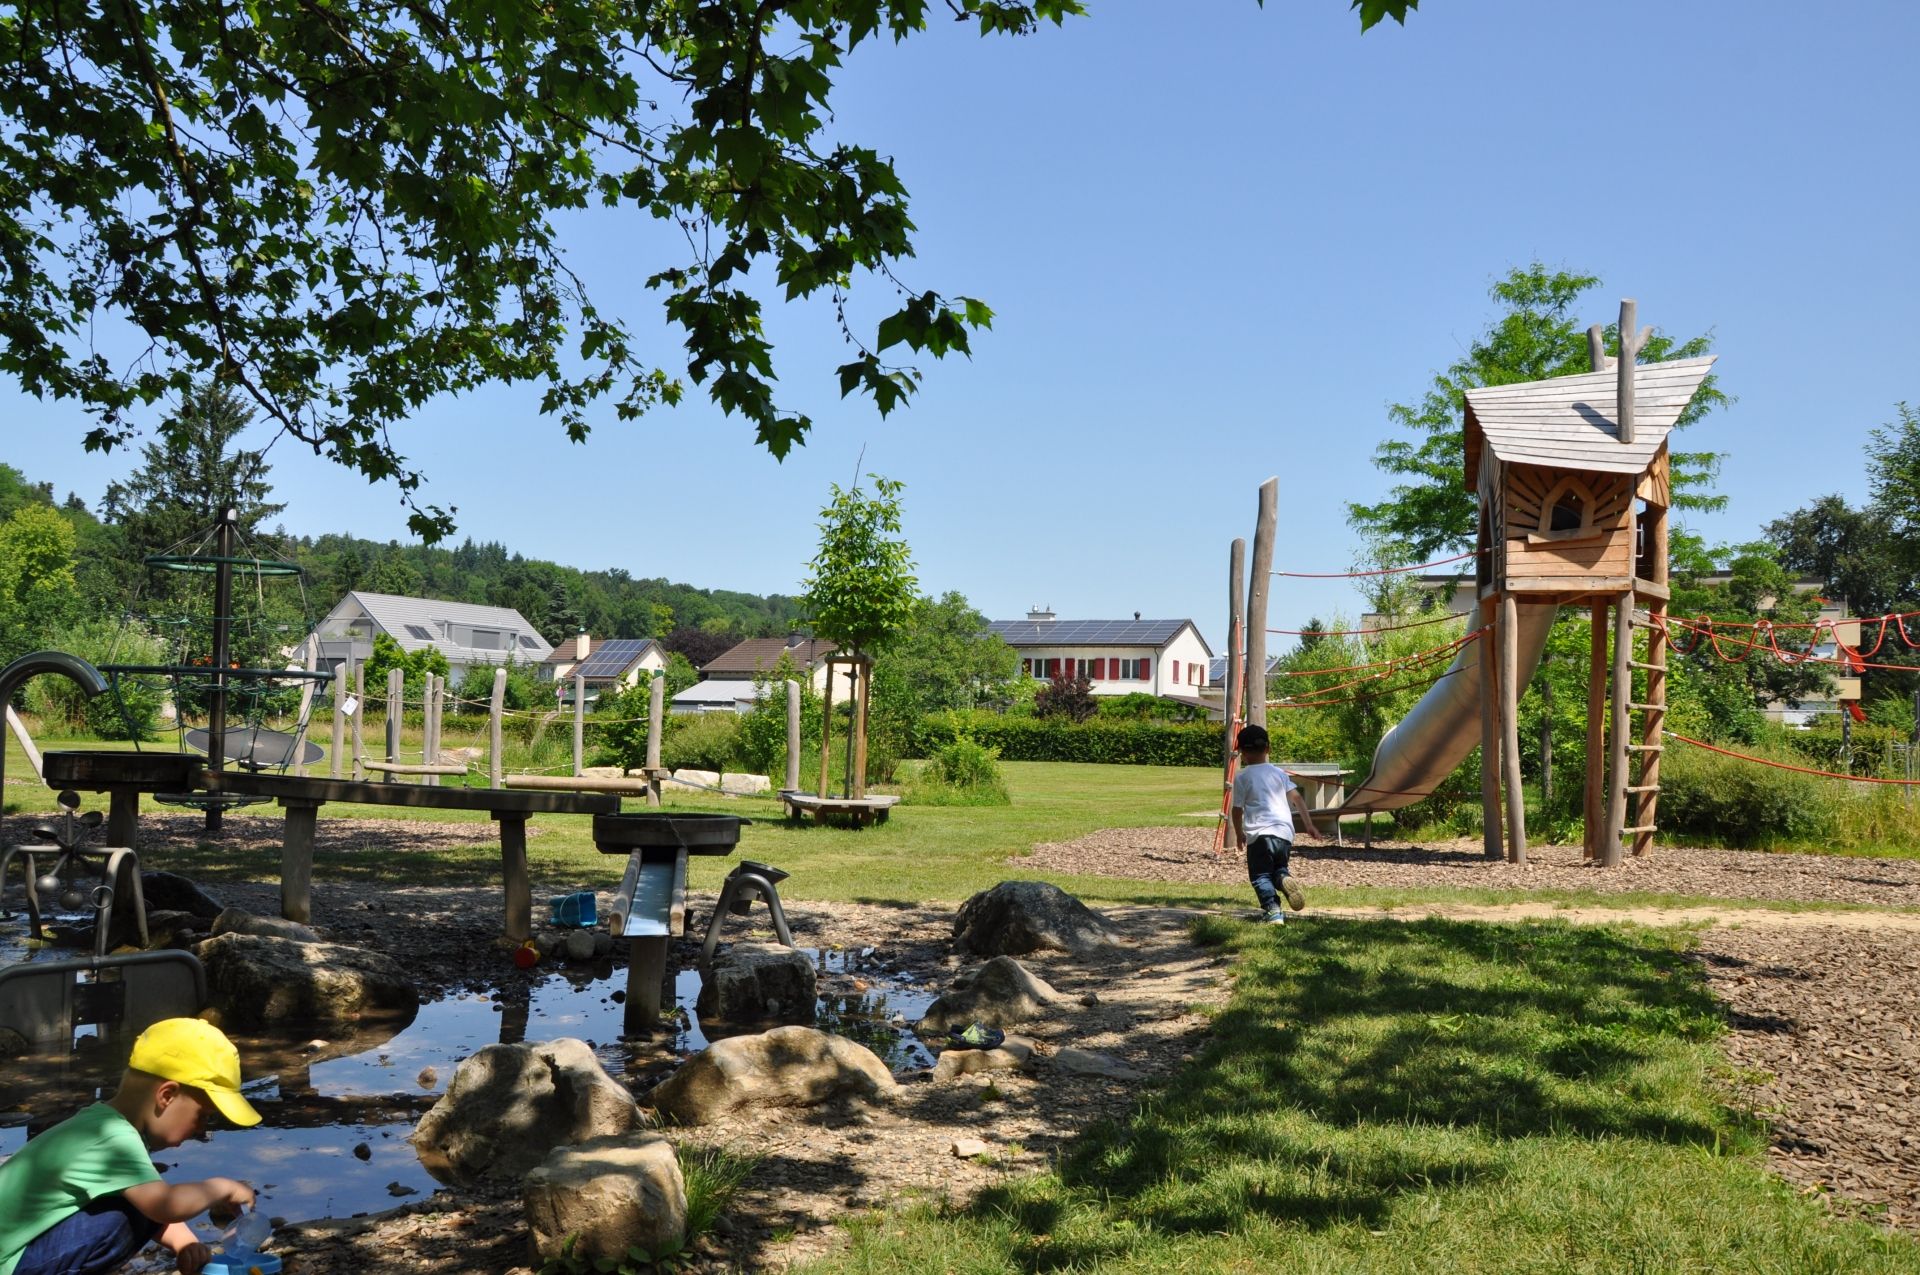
[860, 810]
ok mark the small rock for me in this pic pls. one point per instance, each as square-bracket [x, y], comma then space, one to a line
[1001, 993]
[785, 1067]
[1015, 917]
[968, 1148]
[1084, 1062]
[579, 946]
[396, 1189]
[1012, 1054]
[604, 1197]
[758, 983]
[1089, 999]
[362, 1151]
[427, 1078]
[314, 1046]
[509, 1105]
[241, 921]
[602, 944]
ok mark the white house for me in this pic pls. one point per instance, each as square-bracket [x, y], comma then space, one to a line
[605, 663]
[466, 633]
[727, 680]
[1119, 657]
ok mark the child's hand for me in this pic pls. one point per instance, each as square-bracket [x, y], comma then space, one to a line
[231, 1199]
[190, 1259]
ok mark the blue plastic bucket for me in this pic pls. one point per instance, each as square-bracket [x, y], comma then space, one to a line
[576, 910]
[242, 1264]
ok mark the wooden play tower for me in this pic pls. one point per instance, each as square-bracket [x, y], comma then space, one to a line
[1574, 484]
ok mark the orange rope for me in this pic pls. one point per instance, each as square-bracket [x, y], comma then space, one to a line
[1394, 628]
[1383, 571]
[1397, 661]
[1781, 765]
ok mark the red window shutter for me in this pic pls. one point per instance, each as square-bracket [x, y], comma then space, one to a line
[1176, 672]
[1100, 669]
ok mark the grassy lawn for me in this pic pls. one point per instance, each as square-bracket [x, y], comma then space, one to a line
[1433, 1096]
[923, 853]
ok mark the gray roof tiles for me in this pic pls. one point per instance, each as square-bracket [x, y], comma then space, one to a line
[1018, 633]
[1568, 422]
[394, 614]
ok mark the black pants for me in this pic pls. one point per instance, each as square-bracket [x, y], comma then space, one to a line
[1266, 863]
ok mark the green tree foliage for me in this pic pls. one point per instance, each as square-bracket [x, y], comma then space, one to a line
[351, 208]
[36, 579]
[191, 473]
[1430, 509]
[680, 674]
[524, 690]
[859, 593]
[763, 731]
[414, 666]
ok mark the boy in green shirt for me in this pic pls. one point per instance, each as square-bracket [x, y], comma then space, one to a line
[84, 1197]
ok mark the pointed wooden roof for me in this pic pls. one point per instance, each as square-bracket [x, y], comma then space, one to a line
[1567, 422]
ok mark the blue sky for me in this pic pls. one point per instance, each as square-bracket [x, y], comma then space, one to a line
[1220, 239]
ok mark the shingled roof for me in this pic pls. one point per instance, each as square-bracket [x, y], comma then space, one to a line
[1568, 422]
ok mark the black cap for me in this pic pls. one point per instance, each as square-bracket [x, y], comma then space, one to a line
[1252, 737]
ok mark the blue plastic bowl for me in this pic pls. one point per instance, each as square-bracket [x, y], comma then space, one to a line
[241, 1264]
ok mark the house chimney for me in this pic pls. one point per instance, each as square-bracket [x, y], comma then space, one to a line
[580, 644]
[1136, 616]
[1040, 614]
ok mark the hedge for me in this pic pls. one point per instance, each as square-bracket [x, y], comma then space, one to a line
[1126, 743]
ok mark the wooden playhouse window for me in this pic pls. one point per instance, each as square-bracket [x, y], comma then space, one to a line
[1567, 512]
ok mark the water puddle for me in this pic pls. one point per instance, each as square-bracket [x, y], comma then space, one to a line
[338, 1111]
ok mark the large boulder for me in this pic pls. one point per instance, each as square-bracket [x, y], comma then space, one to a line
[1001, 993]
[170, 929]
[256, 980]
[785, 1067]
[1011, 1054]
[509, 1105]
[758, 983]
[171, 892]
[241, 921]
[745, 785]
[702, 778]
[607, 1195]
[1016, 917]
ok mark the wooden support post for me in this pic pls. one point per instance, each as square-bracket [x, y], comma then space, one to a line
[1509, 635]
[307, 686]
[514, 875]
[496, 709]
[1632, 338]
[579, 723]
[359, 722]
[656, 720]
[1236, 637]
[863, 690]
[1617, 726]
[1489, 735]
[296, 860]
[826, 727]
[1594, 807]
[1262, 576]
[646, 974]
[396, 716]
[123, 817]
[339, 700]
[793, 736]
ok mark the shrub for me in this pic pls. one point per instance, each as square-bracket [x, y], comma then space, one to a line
[619, 726]
[704, 741]
[1068, 697]
[1706, 797]
[129, 711]
[961, 774]
[1055, 739]
[1138, 706]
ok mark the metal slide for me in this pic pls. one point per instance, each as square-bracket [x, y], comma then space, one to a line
[1437, 733]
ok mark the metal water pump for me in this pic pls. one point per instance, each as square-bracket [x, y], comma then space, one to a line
[61, 883]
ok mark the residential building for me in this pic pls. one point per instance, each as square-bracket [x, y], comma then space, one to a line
[727, 680]
[604, 664]
[1119, 657]
[467, 633]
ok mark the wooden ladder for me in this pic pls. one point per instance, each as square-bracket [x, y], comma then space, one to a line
[1653, 717]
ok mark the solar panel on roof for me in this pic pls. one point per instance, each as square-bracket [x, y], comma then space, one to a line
[414, 630]
[612, 658]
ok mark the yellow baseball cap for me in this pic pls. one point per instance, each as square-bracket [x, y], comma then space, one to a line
[195, 1053]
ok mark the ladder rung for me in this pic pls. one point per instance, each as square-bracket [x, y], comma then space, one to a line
[1643, 828]
[1646, 748]
[1652, 708]
[1643, 787]
[1651, 668]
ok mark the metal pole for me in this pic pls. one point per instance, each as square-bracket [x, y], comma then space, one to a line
[222, 652]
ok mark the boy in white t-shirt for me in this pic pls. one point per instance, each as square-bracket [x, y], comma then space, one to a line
[1264, 802]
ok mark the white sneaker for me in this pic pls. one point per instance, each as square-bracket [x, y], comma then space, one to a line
[1276, 917]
